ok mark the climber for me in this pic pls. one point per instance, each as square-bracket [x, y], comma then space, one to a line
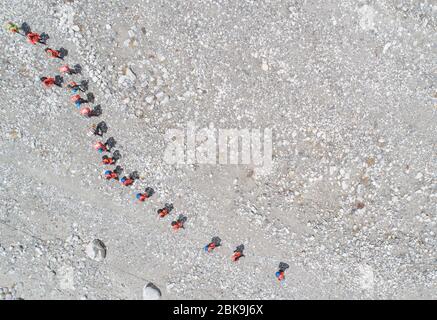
[238, 253]
[113, 174]
[35, 38]
[129, 180]
[111, 160]
[148, 192]
[87, 112]
[50, 81]
[74, 87]
[168, 207]
[110, 143]
[215, 242]
[12, 27]
[100, 147]
[47, 81]
[66, 69]
[126, 181]
[280, 274]
[99, 129]
[179, 223]
[52, 53]
[78, 100]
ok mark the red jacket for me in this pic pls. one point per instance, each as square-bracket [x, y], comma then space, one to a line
[48, 82]
[177, 225]
[65, 69]
[53, 53]
[142, 197]
[75, 97]
[127, 182]
[99, 146]
[236, 256]
[163, 213]
[108, 161]
[112, 175]
[33, 37]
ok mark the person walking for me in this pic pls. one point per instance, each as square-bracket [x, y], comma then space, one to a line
[215, 242]
[168, 207]
[238, 253]
[280, 274]
[110, 160]
[113, 174]
[179, 223]
[148, 192]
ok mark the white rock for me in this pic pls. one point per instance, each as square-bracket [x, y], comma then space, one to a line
[130, 74]
[124, 81]
[165, 100]
[139, 113]
[264, 66]
[386, 47]
[38, 251]
[75, 28]
[160, 95]
[96, 250]
[151, 292]
[344, 185]
[149, 99]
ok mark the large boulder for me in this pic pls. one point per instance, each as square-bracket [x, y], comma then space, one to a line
[96, 250]
[151, 292]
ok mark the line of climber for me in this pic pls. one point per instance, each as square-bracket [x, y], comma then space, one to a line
[111, 158]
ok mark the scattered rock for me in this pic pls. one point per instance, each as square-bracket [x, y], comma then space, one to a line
[139, 113]
[15, 134]
[344, 185]
[149, 99]
[370, 161]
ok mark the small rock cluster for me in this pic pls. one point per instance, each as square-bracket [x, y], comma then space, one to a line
[8, 293]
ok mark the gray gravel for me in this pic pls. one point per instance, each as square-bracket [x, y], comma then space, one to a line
[348, 89]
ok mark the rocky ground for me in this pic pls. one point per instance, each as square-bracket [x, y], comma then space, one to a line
[348, 89]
